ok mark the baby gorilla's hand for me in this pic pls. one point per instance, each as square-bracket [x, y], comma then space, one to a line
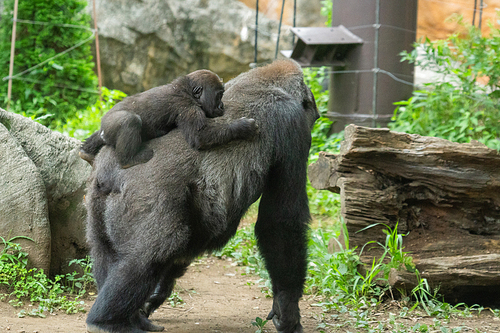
[244, 128]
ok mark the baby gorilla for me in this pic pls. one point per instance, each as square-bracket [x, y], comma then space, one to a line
[185, 103]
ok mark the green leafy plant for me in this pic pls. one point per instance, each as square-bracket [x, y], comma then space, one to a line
[60, 86]
[259, 323]
[335, 276]
[175, 300]
[393, 248]
[77, 283]
[20, 283]
[321, 140]
[326, 10]
[87, 121]
[321, 202]
[464, 104]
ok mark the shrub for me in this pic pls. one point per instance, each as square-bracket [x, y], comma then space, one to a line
[19, 283]
[464, 105]
[85, 122]
[46, 92]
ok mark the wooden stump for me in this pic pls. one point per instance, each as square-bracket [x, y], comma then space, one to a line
[445, 195]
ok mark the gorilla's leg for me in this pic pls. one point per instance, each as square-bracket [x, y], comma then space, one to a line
[122, 129]
[103, 258]
[128, 284]
[164, 288]
[281, 231]
[102, 253]
[91, 147]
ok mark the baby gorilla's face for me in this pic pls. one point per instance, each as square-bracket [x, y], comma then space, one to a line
[211, 93]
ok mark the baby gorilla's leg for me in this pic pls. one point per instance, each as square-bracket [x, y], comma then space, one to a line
[91, 147]
[122, 129]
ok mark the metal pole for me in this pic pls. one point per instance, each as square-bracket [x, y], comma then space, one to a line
[12, 50]
[474, 13]
[375, 63]
[256, 30]
[294, 15]
[480, 15]
[99, 76]
[279, 30]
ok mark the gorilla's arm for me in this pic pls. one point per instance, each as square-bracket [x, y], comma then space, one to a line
[204, 133]
[216, 133]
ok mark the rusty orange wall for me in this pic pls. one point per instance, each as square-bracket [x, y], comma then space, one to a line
[432, 14]
[272, 9]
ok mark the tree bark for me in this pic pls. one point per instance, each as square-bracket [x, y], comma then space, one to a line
[444, 195]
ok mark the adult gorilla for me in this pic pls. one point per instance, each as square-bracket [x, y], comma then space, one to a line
[162, 214]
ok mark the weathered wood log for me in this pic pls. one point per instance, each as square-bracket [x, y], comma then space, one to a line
[446, 195]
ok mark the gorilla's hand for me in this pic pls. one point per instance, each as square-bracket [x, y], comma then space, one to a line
[285, 314]
[244, 128]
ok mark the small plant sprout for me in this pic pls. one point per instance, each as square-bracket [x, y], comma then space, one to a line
[259, 323]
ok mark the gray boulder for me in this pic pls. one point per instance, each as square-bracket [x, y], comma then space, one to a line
[144, 44]
[23, 203]
[53, 158]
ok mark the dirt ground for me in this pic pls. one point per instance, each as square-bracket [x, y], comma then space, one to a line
[218, 298]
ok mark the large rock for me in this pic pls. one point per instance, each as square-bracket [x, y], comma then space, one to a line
[144, 44]
[23, 203]
[54, 157]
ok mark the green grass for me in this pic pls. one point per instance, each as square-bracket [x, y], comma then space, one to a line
[351, 301]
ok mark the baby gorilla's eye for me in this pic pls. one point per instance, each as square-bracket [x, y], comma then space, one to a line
[220, 106]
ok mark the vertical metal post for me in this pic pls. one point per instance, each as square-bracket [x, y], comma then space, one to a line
[279, 31]
[480, 15]
[294, 15]
[99, 77]
[331, 84]
[375, 64]
[12, 51]
[256, 29]
[335, 14]
[474, 13]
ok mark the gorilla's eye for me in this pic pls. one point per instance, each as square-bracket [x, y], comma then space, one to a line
[220, 106]
[197, 91]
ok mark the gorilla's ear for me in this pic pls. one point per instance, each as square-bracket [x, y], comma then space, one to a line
[306, 104]
[197, 91]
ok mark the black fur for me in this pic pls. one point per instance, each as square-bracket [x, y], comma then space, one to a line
[185, 103]
[184, 202]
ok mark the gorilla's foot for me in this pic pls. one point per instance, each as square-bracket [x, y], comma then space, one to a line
[92, 328]
[280, 327]
[86, 156]
[147, 325]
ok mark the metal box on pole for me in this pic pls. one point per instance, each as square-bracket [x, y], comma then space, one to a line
[374, 76]
[363, 50]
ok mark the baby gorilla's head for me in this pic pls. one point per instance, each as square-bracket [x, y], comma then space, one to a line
[208, 90]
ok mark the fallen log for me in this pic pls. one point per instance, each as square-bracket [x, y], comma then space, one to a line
[444, 195]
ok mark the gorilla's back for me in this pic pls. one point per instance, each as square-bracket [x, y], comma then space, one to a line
[211, 190]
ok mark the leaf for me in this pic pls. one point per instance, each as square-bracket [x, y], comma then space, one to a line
[58, 67]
